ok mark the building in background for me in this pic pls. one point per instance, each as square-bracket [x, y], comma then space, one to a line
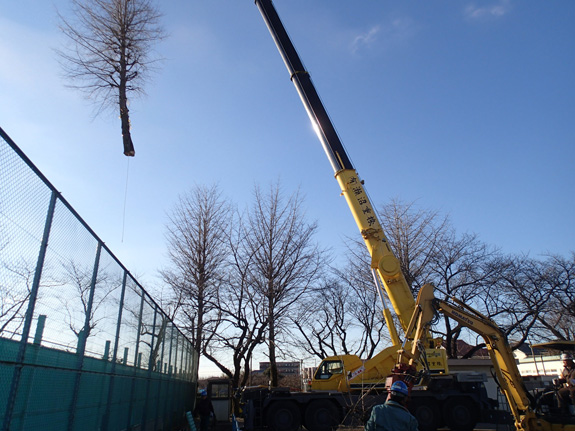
[284, 368]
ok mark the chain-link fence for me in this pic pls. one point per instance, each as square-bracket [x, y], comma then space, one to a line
[82, 345]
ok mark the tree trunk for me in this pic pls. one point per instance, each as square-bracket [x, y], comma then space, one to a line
[274, 379]
[124, 111]
[125, 119]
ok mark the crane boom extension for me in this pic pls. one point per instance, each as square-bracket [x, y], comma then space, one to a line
[382, 258]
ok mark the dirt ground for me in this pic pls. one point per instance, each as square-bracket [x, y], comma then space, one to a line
[227, 426]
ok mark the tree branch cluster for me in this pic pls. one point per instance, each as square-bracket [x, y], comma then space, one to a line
[258, 279]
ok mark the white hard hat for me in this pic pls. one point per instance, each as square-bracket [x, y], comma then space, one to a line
[566, 356]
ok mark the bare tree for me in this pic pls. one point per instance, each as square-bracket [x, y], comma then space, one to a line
[110, 53]
[148, 324]
[460, 267]
[243, 327]
[285, 262]
[342, 317]
[14, 295]
[197, 234]
[366, 306]
[414, 235]
[324, 323]
[526, 297]
[541, 295]
[558, 274]
[351, 304]
[79, 308]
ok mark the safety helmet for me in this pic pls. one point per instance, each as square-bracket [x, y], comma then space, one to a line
[566, 357]
[203, 393]
[399, 388]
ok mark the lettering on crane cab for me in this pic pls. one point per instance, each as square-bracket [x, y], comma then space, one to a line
[436, 360]
[464, 318]
[356, 372]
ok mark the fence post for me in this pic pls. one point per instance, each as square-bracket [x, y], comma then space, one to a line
[39, 329]
[29, 314]
[131, 407]
[106, 418]
[162, 382]
[82, 338]
[168, 402]
[150, 367]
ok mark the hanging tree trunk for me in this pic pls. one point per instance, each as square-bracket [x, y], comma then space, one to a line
[124, 111]
[125, 119]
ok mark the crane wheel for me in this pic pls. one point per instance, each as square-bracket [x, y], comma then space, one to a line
[427, 412]
[321, 415]
[461, 413]
[283, 416]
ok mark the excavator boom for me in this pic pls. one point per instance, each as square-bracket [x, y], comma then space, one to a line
[504, 364]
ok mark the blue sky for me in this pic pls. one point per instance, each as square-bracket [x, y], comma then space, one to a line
[465, 107]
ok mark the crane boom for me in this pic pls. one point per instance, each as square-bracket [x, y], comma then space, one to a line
[344, 384]
[383, 259]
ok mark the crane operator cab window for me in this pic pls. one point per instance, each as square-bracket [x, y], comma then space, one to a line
[327, 369]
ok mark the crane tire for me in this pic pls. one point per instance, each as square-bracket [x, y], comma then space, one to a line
[283, 416]
[460, 413]
[322, 415]
[427, 412]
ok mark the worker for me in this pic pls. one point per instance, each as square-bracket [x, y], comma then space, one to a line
[393, 415]
[205, 410]
[566, 385]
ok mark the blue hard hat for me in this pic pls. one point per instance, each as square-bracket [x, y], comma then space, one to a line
[400, 388]
[203, 392]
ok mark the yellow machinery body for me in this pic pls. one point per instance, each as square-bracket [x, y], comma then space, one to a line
[529, 415]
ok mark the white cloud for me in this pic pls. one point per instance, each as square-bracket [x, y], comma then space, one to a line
[365, 39]
[494, 10]
[393, 33]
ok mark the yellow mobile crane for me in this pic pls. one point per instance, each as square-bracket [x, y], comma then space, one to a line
[342, 381]
[530, 412]
[383, 261]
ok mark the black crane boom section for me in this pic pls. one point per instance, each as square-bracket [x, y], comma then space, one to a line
[305, 88]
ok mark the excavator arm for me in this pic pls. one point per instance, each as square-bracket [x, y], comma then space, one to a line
[504, 364]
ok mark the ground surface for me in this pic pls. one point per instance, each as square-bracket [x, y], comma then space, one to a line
[226, 426]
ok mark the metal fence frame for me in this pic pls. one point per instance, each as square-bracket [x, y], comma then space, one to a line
[101, 387]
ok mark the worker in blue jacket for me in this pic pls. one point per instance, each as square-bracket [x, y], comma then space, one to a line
[393, 415]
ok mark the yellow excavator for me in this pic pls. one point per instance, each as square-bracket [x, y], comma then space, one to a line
[530, 412]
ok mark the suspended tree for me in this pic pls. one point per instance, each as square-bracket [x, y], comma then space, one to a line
[109, 54]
